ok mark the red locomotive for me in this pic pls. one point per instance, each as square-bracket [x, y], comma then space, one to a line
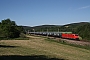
[70, 36]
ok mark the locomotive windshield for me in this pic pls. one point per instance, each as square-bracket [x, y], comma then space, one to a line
[76, 34]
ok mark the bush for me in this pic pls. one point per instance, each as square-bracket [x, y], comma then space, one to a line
[22, 35]
[80, 38]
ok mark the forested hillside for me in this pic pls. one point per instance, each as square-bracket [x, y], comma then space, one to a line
[84, 31]
[81, 28]
[9, 29]
[61, 28]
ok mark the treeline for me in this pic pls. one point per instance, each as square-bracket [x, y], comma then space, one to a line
[9, 29]
[84, 31]
[81, 28]
[49, 28]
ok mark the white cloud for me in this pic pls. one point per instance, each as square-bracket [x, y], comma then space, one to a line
[83, 7]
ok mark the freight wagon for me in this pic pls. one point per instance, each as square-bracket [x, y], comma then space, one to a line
[67, 35]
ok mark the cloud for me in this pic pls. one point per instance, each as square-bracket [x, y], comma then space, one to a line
[83, 7]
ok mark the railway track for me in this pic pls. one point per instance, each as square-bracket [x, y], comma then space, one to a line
[77, 42]
[83, 43]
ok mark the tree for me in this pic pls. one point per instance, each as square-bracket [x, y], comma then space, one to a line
[9, 28]
[84, 31]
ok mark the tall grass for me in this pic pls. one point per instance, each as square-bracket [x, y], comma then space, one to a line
[66, 43]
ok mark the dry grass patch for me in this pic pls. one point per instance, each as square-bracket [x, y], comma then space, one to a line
[39, 46]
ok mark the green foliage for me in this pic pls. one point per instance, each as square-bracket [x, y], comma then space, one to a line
[22, 35]
[9, 29]
[55, 28]
[81, 28]
[80, 38]
[84, 31]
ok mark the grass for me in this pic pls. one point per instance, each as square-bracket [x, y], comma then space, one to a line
[37, 48]
[19, 38]
[66, 43]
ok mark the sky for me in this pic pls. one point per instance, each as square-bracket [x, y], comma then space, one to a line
[41, 12]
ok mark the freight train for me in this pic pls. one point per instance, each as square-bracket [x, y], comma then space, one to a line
[66, 35]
